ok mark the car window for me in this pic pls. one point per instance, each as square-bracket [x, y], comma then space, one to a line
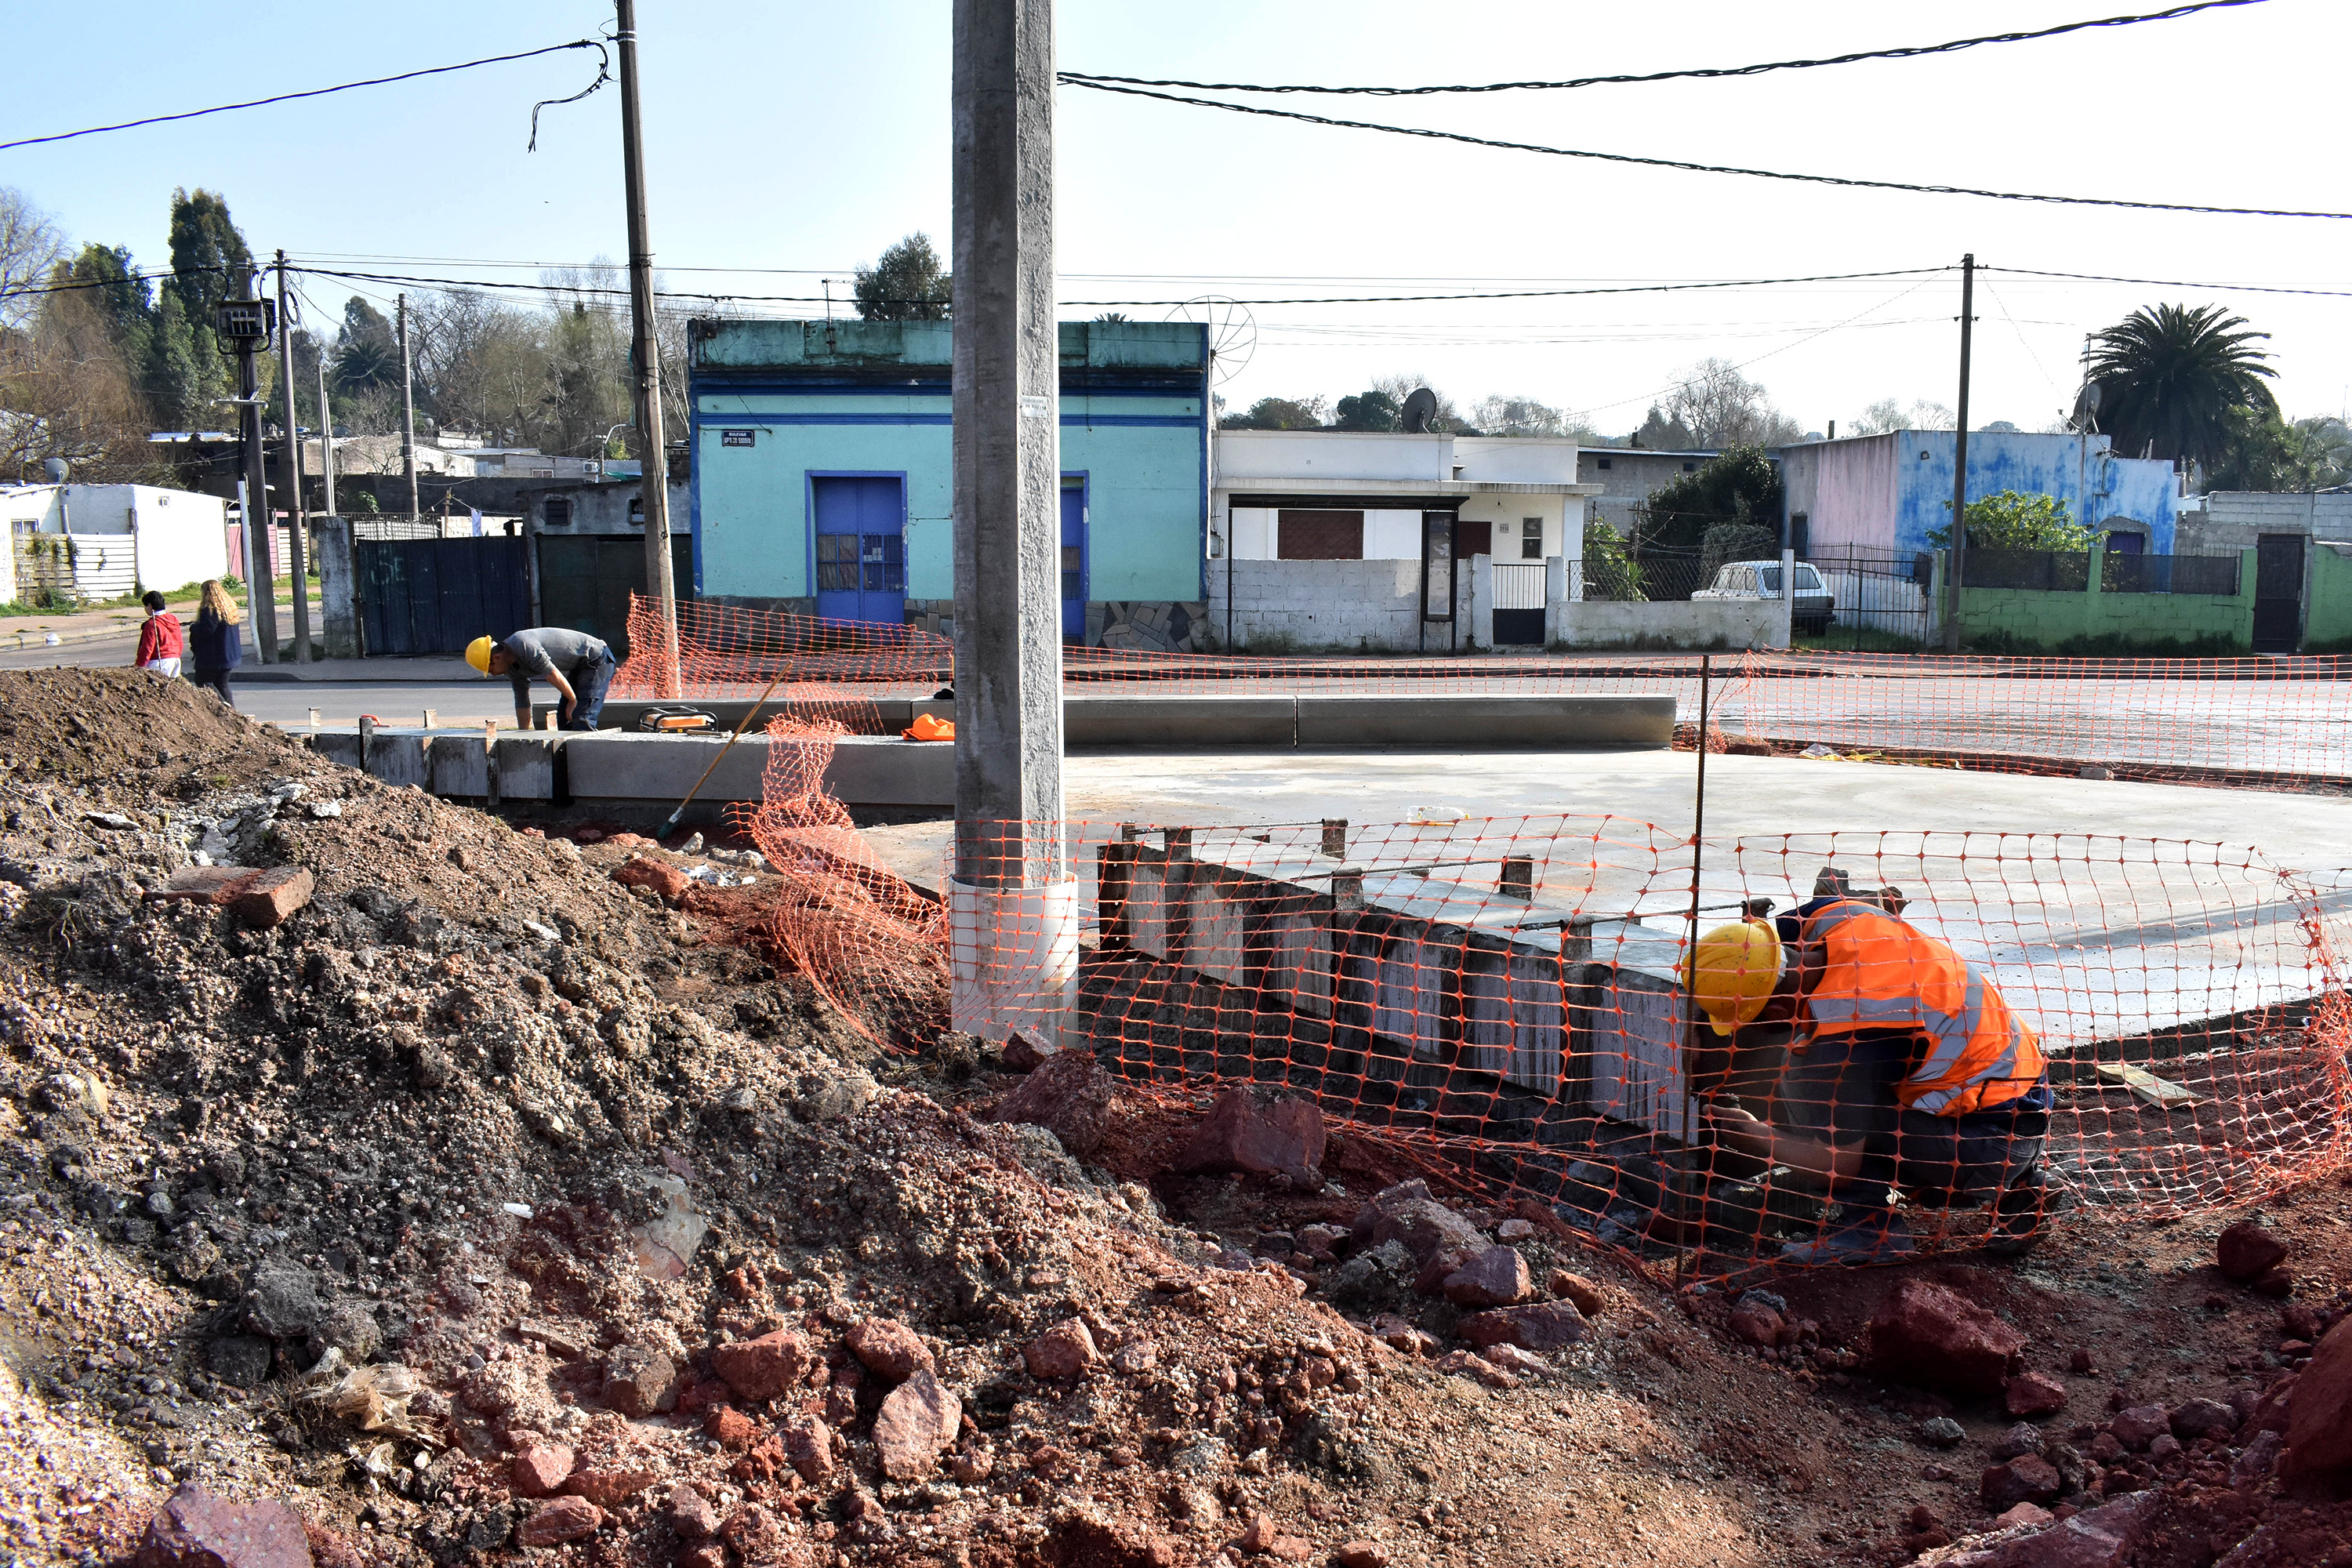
[1769, 578]
[1809, 580]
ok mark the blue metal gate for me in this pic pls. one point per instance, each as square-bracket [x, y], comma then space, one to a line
[1074, 559]
[861, 548]
[435, 595]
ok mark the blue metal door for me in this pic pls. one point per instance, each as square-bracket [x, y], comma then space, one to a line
[861, 550]
[1074, 559]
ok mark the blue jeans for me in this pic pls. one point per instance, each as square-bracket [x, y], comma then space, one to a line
[1841, 1086]
[589, 690]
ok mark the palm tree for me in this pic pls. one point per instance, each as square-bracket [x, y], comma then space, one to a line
[2169, 378]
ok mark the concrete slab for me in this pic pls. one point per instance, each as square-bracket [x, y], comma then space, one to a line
[863, 770]
[1518, 721]
[1188, 721]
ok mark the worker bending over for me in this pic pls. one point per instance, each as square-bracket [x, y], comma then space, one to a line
[1904, 1068]
[578, 666]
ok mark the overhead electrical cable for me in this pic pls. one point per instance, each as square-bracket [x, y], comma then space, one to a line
[311, 93]
[1844, 180]
[2170, 282]
[1089, 79]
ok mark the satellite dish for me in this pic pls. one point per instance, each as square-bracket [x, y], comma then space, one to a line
[2086, 418]
[1233, 333]
[1420, 408]
[55, 467]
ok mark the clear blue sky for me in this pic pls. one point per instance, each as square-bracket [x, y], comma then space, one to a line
[810, 136]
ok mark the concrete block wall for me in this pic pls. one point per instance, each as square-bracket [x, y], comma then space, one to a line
[1345, 605]
[2236, 519]
[1714, 624]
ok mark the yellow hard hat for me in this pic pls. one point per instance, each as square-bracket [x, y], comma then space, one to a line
[1733, 972]
[478, 653]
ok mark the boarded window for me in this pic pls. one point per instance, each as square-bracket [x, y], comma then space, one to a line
[557, 513]
[1321, 536]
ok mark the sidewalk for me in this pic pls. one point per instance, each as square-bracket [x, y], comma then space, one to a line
[436, 671]
[28, 634]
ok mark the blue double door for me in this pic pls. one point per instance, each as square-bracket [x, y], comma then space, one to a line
[861, 550]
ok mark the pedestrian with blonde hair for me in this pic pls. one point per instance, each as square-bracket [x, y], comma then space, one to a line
[213, 644]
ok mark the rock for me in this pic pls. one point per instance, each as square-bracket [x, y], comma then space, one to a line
[1019, 1055]
[1068, 1095]
[1495, 1277]
[2023, 1514]
[1515, 1230]
[1136, 1356]
[2164, 1447]
[241, 1359]
[2277, 1283]
[1940, 1432]
[762, 1368]
[1753, 1322]
[889, 1348]
[194, 1529]
[1257, 1536]
[640, 1381]
[1538, 1326]
[608, 1483]
[2203, 1418]
[272, 896]
[2081, 1363]
[757, 1534]
[971, 1470]
[667, 882]
[2022, 1438]
[2256, 1459]
[1064, 1350]
[2246, 1250]
[539, 1470]
[1407, 1214]
[1933, 1338]
[560, 1519]
[1359, 1554]
[2138, 1427]
[282, 1301]
[2297, 1321]
[1251, 1130]
[1511, 1358]
[1576, 1289]
[2101, 1537]
[692, 1516]
[729, 1427]
[2028, 1478]
[2319, 1424]
[1462, 1363]
[918, 1424]
[808, 1445]
[2030, 1394]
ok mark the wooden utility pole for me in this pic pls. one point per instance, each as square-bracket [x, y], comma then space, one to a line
[296, 516]
[261, 591]
[653, 451]
[408, 416]
[1956, 558]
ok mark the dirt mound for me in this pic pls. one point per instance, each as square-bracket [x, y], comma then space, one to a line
[483, 1205]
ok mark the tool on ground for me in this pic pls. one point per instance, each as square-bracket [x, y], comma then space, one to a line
[676, 720]
[927, 728]
[666, 828]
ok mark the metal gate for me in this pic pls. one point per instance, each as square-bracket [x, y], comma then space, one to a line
[585, 581]
[1518, 604]
[2278, 592]
[1882, 598]
[435, 595]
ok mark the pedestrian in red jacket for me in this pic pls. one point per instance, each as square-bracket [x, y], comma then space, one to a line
[161, 644]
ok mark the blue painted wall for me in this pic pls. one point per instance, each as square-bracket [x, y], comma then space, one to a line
[857, 396]
[1888, 492]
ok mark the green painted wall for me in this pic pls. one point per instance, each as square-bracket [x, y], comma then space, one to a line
[2050, 619]
[2329, 620]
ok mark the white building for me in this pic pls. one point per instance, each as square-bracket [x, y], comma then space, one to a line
[102, 542]
[1392, 542]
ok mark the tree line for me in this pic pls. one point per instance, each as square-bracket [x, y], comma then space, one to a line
[96, 352]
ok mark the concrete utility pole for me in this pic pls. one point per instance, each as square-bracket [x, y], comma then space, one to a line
[652, 447]
[408, 416]
[298, 517]
[1013, 902]
[1957, 556]
[326, 440]
[261, 591]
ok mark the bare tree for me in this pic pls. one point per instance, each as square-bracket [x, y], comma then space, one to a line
[30, 247]
[66, 391]
[1888, 413]
[1516, 417]
[1721, 407]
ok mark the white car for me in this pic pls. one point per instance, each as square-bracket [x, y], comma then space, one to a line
[1762, 580]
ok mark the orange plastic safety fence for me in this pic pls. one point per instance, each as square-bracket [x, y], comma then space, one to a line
[2269, 723]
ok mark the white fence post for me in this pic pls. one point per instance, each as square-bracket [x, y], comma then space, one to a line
[1788, 598]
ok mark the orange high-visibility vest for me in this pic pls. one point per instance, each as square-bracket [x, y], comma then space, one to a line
[1880, 973]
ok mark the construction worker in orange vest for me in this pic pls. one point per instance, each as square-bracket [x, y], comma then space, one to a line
[1906, 1070]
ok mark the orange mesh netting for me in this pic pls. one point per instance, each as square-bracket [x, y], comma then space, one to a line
[1508, 996]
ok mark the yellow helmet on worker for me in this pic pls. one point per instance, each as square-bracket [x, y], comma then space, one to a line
[477, 653]
[1733, 972]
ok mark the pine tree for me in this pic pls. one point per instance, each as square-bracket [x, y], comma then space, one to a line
[173, 384]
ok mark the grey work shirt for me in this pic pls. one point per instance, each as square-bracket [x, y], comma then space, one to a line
[541, 649]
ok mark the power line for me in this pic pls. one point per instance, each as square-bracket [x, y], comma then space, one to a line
[1087, 78]
[2175, 283]
[1844, 180]
[313, 92]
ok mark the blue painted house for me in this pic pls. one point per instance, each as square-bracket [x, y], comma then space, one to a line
[1884, 494]
[823, 483]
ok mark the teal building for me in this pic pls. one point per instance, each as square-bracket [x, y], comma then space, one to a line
[821, 473]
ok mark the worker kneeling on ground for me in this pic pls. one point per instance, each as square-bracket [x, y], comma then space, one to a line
[1905, 1070]
[578, 666]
